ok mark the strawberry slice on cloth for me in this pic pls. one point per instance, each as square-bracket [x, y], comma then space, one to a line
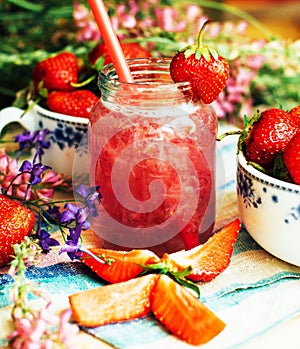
[16, 222]
[176, 308]
[119, 266]
[210, 259]
[182, 313]
[113, 303]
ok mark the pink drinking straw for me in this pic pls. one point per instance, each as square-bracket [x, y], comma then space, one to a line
[111, 41]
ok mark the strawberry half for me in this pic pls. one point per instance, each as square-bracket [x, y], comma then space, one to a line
[210, 259]
[16, 222]
[112, 303]
[291, 158]
[130, 50]
[74, 103]
[120, 265]
[268, 136]
[182, 313]
[203, 67]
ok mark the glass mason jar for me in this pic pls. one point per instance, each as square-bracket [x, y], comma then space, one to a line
[152, 152]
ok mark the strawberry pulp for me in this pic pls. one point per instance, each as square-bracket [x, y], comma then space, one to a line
[155, 169]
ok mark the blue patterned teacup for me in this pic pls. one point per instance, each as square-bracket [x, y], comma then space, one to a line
[66, 133]
[270, 210]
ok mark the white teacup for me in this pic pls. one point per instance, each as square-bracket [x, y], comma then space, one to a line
[270, 210]
[66, 133]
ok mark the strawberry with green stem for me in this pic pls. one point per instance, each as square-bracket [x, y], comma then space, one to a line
[264, 137]
[268, 136]
[203, 67]
[56, 73]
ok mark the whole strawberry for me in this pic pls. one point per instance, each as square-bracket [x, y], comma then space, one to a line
[203, 67]
[57, 73]
[268, 136]
[16, 222]
[130, 50]
[291, 158]
[74, 103]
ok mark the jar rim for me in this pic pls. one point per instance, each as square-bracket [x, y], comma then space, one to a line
[108, 73]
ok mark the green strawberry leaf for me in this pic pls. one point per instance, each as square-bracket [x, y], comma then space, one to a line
[214, 53]
[190, 50]
[189, 284]
[205, 52]
[178, 276]
[279, 170]
[258, 167]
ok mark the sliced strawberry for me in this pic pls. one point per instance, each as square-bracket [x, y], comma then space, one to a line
[16, 222]
[114, 302]
[120, 265]
[74, 103]
[210, 259]
[130, 50]
[57, 73]
[182, 313]
[203, 67]
[291, 158]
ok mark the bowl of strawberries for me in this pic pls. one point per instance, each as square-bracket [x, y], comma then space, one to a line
[268, 181]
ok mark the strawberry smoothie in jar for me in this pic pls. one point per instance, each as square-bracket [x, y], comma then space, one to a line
[152, 153]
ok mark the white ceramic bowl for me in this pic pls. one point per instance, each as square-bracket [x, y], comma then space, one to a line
[66, 133]
[270, 210]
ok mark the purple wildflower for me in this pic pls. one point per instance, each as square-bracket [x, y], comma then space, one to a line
[75, 214]
[72, 244]
[36, 171]
[45, 240]
[34, 139]
[90, 196]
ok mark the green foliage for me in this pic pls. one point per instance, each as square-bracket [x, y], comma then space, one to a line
[31, 31]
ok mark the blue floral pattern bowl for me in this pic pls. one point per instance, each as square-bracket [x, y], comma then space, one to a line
[66, 134]
[270, 210]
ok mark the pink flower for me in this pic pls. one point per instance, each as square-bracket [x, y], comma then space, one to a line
[84, 20]
[9, 171]
[42, 330]
[66, 330]
[15, 183]
[45, 189]
[166, 19]
[255, 61]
